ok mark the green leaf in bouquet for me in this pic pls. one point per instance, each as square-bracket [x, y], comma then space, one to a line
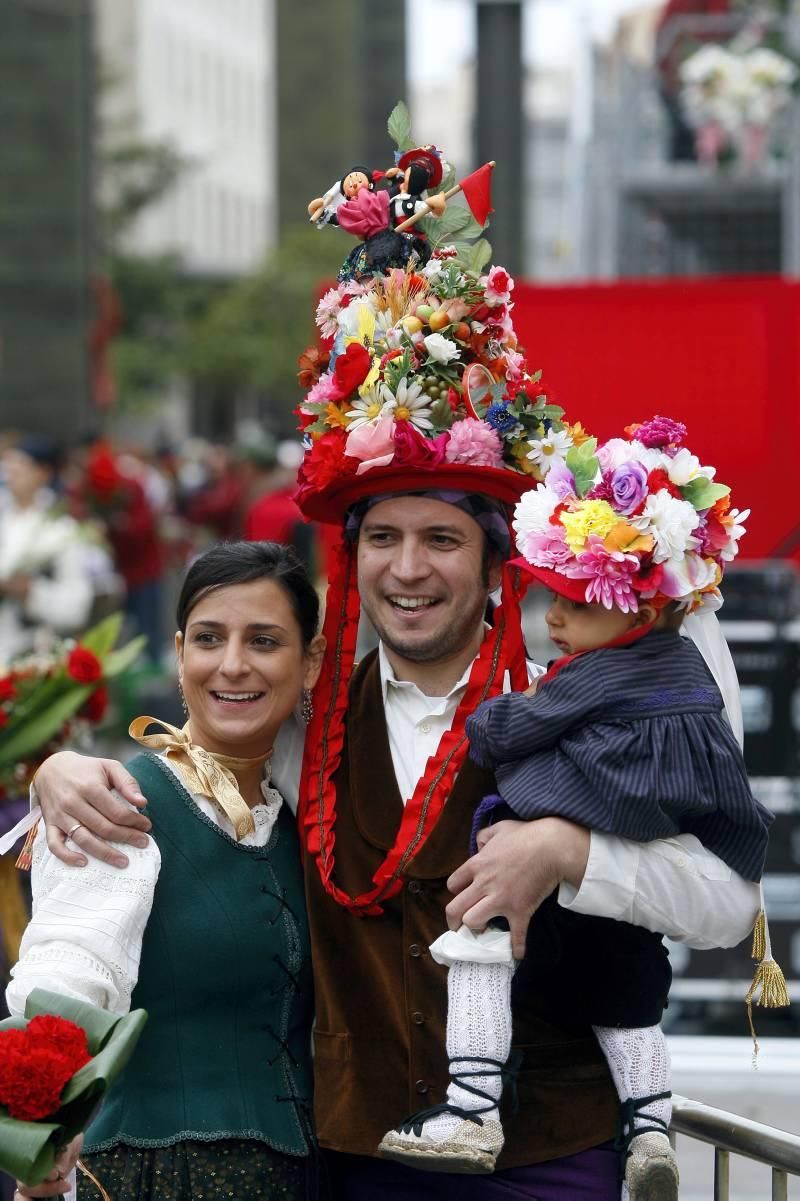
[399, 127]
[102, 637]
[18, 742]
[28, 1149]
[479, 255]
[453, 220]
[584, 466]
[702, 493]
[119, 660]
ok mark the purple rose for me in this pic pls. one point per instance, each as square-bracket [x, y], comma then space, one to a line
[628, 487]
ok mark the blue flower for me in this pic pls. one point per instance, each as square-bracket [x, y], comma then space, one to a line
[499, 418]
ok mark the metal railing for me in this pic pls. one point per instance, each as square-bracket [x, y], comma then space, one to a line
[730, 1135]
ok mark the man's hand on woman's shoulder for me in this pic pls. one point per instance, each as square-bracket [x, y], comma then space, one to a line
[86, 800]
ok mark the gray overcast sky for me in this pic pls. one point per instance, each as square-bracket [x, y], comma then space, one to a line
[444, 30]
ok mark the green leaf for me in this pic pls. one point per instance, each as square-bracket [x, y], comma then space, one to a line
[442, 415]
[584, 466]
[102, 637]
[399, 126]
[480, 254]
[118, 660]
[38, 731]
[702, 493]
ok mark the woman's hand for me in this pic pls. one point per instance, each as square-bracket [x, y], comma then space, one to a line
[57, 1182]
[518, 864]
[75, 791]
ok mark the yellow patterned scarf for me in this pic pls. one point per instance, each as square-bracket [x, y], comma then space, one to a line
[203, 772]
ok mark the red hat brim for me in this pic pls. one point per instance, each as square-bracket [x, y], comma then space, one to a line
[562, 585]
[433, 162]
[330, 504]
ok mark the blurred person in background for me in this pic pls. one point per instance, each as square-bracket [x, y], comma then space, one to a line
[45, 557]
[214, 504]
[102, 490]
[673, 43]
[269, 514]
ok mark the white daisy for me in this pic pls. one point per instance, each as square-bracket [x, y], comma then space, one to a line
[544, 452]
[409, 403]
[366, 409]
[670, 521]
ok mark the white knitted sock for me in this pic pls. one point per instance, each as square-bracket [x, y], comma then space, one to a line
[638, 1059]
[478, 1023]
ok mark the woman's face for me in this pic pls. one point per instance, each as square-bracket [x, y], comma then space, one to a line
[243, 666]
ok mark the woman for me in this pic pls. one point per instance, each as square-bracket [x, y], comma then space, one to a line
[206, 927]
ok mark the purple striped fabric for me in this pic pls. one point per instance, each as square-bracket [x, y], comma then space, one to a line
[591, 1175]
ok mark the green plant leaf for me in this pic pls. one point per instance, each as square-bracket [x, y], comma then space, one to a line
[479, 255]
[118, 660]
[41, 727]
[102, 637]
[584, 466]
[702, 493]
[399, 126]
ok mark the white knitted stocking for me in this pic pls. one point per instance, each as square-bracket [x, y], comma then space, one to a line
[478, 1023]
[640, 1066]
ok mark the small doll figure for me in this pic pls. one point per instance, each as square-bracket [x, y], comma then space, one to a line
[374, 215]
[322, 210]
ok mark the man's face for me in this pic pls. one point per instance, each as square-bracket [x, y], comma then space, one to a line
[422, 578]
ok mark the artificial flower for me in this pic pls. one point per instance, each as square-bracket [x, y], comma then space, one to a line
[83, 665]
[658, 432]
[587, 518]
[547, 549]
[609, 573]
[373, 444]
[411, 449]
[474, 442]
[499, 286]
[441, 349]
[408, 403]
[533, 512]
[327, 312]
[671, 523]
[545, 451]
[628, 486]
[367, 407]
[350, 370]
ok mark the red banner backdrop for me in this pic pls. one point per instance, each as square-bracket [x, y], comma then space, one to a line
[721, 355]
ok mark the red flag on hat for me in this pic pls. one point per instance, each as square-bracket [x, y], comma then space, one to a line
[477, 189]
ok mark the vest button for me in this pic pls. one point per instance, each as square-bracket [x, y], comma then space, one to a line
[414, 887]
[421, 1087]
[418, 1018]
[415, 950]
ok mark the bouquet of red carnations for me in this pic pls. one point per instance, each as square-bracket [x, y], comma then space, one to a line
[55, 1066]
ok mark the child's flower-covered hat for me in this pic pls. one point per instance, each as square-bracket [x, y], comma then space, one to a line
[635, 519]
[426, 388]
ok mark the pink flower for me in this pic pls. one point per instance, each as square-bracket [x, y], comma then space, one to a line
[324, 389]
[561, 480]
[515, 367]
[548, 549]
[659, 432]
[499, 285]
[373, 444]
[610, 574]
[412, 449]
[474, 442]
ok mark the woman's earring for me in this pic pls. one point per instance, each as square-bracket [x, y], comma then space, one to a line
[307, 706]
[183, 699]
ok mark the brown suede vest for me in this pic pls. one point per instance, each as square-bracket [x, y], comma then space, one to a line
[381, 1000]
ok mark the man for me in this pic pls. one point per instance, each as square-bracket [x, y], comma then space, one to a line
[386, 804]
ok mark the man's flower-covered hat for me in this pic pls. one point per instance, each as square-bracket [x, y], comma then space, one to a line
[426, 387]
[635, 519]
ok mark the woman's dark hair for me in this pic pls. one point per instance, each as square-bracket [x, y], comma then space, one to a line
[230, 563]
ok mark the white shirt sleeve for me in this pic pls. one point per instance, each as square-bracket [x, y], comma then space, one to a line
[84, 939]
[673, 885]
[63, 600]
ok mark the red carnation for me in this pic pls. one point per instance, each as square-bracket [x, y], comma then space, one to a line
[351, 369]
[96, 705]
[36, 1063]
[62, 1036]
[84, 666]
[326, 462]
[658, 481]
[8, 689]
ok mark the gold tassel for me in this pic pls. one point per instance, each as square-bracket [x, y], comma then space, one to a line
[13, 909]
[91, 1176]
[24, 859]
[771, 982]
[759, 937]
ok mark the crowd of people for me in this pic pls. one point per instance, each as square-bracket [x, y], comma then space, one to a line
[100, 525]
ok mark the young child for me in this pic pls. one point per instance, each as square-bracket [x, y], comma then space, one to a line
[625, 734]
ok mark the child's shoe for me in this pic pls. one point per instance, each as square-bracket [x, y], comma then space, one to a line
[651, 1169]
[471, 1147]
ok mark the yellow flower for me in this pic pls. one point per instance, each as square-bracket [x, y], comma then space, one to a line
[627, 538]
[372, 377]
[591, 517]
[577, 433]
[335, 417]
